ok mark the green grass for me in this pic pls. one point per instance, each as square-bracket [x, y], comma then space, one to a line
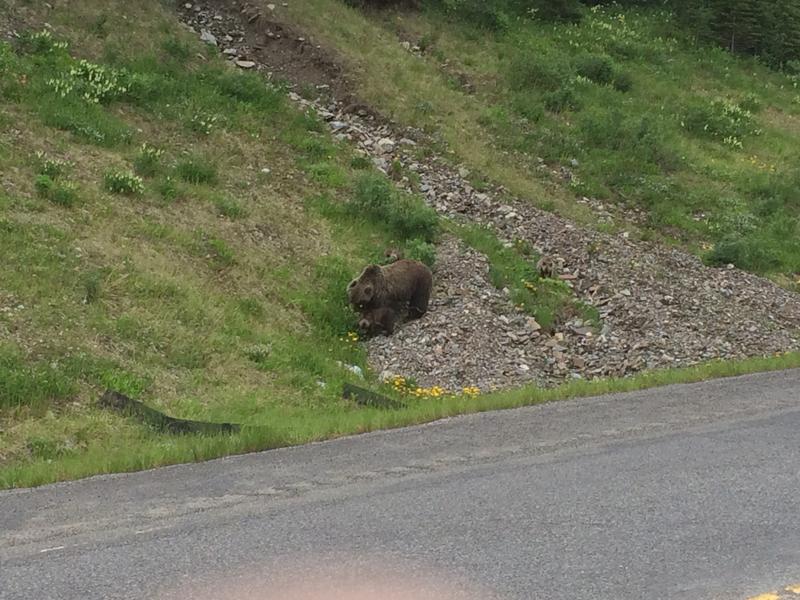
[148, 161]
[197, 169]
[701, 140]
[407, 216]
[218, 294]
[57, 456]
[57, 192]
[547, 300]
[234, 318]
[30, 385]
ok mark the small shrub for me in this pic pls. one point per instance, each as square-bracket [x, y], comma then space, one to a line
[493, 16]
[223, 253]
[406, 215]
[422, 251]
[596, 68]
[561, 100]
[229, 208]
[360, 162]
[528, 71]
[250, 88]
[744, 252]
[203, 123]
[623, 82]
[307, 121]
[750, 103]
[148, 162]
[525, 105]
[639, 140]
[41, 42]
[91, 82]
[65, 194]
[62, 193]
[12, 73]
[52, 167]
[214, 248]
[258, 353]
[99, 25]
[721, 119]
[167, 189]
[197, 169]
[44, 184]
[119, 182]
[144, 89]
[328, 174]
[92, 286]
[176, 48]
[622, 49]
[733, 217]
[315, 148]
[426, 41]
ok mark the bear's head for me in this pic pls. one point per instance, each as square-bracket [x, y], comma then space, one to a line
[361, 291]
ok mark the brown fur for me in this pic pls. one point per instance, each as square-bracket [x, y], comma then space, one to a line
[378, 320]
[393, 254]
[403, 283]
[547, 267]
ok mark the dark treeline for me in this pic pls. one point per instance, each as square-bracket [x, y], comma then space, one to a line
[769, 29]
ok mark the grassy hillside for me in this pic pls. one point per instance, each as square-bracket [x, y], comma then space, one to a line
[173, 228]
[689, 142]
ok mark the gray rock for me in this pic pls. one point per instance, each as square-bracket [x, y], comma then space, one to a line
[385, 145]
[208, 37]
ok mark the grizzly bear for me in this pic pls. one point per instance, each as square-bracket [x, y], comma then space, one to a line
[402, 284]
[378, 320]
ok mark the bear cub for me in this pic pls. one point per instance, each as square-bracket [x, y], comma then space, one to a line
[378, 320]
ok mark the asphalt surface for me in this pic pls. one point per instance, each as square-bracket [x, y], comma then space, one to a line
[688, 491]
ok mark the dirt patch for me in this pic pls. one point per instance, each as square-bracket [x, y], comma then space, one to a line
[247, 32]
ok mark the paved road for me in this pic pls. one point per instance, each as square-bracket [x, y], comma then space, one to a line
[682, 492]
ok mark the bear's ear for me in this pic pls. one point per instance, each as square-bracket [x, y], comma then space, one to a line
[372, 270]
[352, 284]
